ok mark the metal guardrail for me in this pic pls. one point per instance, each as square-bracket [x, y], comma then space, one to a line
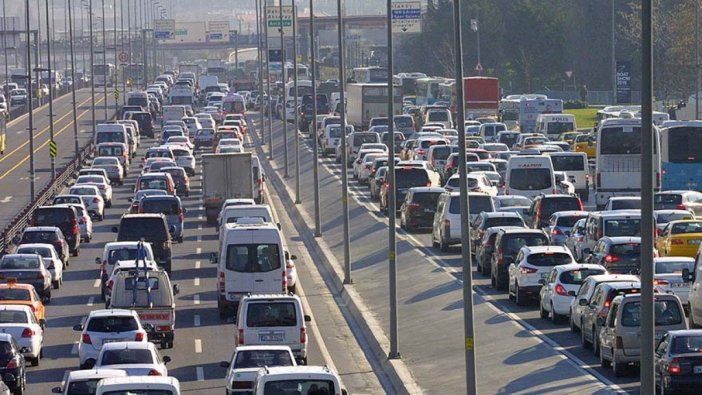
[19, 111]
[23, 218]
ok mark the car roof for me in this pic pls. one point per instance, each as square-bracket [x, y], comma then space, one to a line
[86, 374]
[271, 297]
[28, 287]
[41, 229]
[22, 307]
[110, 312]
[686, 332]
[261, 347]
[576, 266]
[622, 239]
[129, 344]
[36, 245]
[427, 189]
[540, 249]
[500, 214]
[570, 213]
[524, 230]
[673, 259]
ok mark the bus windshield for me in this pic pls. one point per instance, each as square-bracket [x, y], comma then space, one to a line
[620, 141]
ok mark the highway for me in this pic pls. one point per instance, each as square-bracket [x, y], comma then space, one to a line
[14, 164]
[202, 340]
[517, 351]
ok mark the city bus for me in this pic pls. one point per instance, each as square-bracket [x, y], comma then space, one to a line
[407, 82]
[365, 75]
[134, 74]
[428, 90]
[681, 159]
[304, 87]
[104, 74]
[302, 72]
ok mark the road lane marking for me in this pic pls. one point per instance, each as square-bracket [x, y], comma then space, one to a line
[199, 228]
[96, 283]
[200, 373]
[91, 300]
[197, 264]
[198, 346]
[6, 199]
[196, 320]
[196, 299]
[199, 239]
[199, 217]
[74, 349]
[196, 281]
[198, 250]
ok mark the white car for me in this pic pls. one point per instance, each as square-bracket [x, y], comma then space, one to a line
[134, 357]
[358, 162]
[116, 251]
[476, 183]
[92, 199]
[560, 287]
[667, 278]
[20, 322]
[102, 184]
[366, 166]
[182, 141]
[112, 166]
[530, 266]
[103, 327]
[184, 158]
[85, 223]
[516, 203]
[51, 260]
[587, 288]
[248, 360]
[235, 142]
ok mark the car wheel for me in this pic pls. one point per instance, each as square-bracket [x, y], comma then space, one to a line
[222, 313]
[21, 388]
[542, 312]
[443, 246]
[48, 298]
[617, 368]
[555, 318]
[573, 328]
[102, 294]
[100, 217]
[692, 319]
[583, 340]
[518, 298]
[108, 204]
[34, 361]
[55, 284]
[493, 282]
[595, 342]
[604, 362]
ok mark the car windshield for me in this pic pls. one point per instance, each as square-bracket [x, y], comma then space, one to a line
[577, 276]
[19, 263]
[112, 324]
[672, 267]
[41, 251]
[666, 313]
[530, 179]
[687, 344]
[126, 356]
[686, 227]
[15, 294]
[261, 358]
[300, 386]
[122, 254]
[271, 314]
[52, 216]
[549, 259]
[13, 317]
[363, 138]
[667, 198]
[426, 199]
[253, 258]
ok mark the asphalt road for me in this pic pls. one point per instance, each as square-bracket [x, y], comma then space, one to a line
[202, 340]
[14, 164]
[517, 351]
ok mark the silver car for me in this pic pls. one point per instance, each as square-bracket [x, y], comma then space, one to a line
[92, 199]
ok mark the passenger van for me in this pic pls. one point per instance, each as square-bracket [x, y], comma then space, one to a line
[608, 223]
[489, 131]
[618, 163]
[111, 133]
[554, 125]
[138, 98]
[161, 385]
[303, 379]
[576, 167]
[530, 176]
[172, 113]
[251, 260]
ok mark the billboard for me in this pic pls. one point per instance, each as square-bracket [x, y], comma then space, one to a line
[218, 30]
[623, 81]
[164, 29]
[190, 32]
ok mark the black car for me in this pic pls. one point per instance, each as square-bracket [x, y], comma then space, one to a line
[405, 178]
[619, 255]
[543, 206]
[507, 244]
[676, 360]
[486, 220]
[152, 228]
[417, 211]
[12, 364]
[64, 217]
[307, 110]
[145, 121]
[47, 235]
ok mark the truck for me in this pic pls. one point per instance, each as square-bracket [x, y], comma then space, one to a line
[225, 176]
[181, 95]
[369, 100]
[216, 67]
[531, 108]
[481, 96]
[193, 68]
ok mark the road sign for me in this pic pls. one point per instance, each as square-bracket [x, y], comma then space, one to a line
[478, 67]
[274, 19]
[164, 29]
[116, 95]
[407, 17]
[569, 73]
[218, 30]
[53, 149]
[123, 57]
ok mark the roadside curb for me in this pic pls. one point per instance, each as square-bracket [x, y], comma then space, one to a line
[396, 370]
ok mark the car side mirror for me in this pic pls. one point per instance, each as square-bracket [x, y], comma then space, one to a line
[344, 392]
[57, 390]
[166, 359]
[308, 318]
[176, 289]
[185, 210]
[688, 276]
[542, 281]
[98, 261]
[213, 257]
[224, 364]
[293, 257]
[78, 327]
[115, 229]
[571, 293]
[172, 228]
[582, 302]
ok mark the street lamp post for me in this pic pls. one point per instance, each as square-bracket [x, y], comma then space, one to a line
[236, 50]
[4, 46]
[49, 72]
[296, 130]
[73, 77]
[285, 93]
[313, 132]
[104, 59]
[30, 109]
[92, 63]
[344, 154]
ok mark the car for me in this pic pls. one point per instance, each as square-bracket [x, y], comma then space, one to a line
[353, 143]
[575, 236]
[51, 260]
[680, 200]
[586, 143]
[365, 168]
[484, 250]
[446, 227]
[92, 199]
[662, 217]
[530, 267]
[27, 269]
[116, 251]
[676, 360]
[152, 228]
[13, 293]
[561, 224]
[151, 164]
[85, 381]
[106, 326]
[114, 169]
[377, 182]
[595, 310]
[620, 337]
[147, 264]
[559, 288]
[516, 203]
[63, 217]
[85, 223]
[407, 175]
[204, 138]
[667, 276]
[46, 235]
[623, 203]
[65, 198]
[155, 181]
[358, 162]
[14, 371]
[418, 208]
[617, 254]
[171, 207]
[134, 207]
[162, 151]
[476, 183]
[137, 358]
[508, 243]
[248, 360]
[585, 291]
[180, 141]
[543, 206]
[680, 238]
[486, 220]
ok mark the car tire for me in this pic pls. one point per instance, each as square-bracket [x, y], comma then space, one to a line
[100, 217]
[22, 387]
[604, 362]
[617, 368]
[583, 341]
[595, 342]
[34, 361]
[543, 313]
[573, 328]
[108, 204]
[555, 318]
[518, 298]
[55, 284]
[443, 246]
[48, 298]
[493, 282]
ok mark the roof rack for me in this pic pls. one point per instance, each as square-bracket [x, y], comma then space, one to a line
[143, 278]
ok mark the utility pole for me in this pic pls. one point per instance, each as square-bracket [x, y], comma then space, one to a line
[76, 148]
[313, 132]
[285, 93]
[92, 63]
[104, 59]
[697, 60]
[49, 72]
[30, 104]
[269, 103]
[6, 91]
[613, 56]
[296, 130]
[260, 69]
[344, 154]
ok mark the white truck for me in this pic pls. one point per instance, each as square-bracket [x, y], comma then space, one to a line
[181, 95]
[226, 176]
[365, 101]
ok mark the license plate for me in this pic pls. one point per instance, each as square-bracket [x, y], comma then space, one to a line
[680, 285]
[697, 369]
[695, 241]
[429, 210]
[113, 340]
[277, 337]
[544, 275]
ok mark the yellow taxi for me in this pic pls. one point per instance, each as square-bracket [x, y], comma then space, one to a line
[569, 137]
[680, 238]
[23, 294]
[586, 143]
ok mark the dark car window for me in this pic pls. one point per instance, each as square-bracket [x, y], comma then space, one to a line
[19, 263]
[687, 344]
[426, 199]
[625, 249]
[667, 198]
[271, 314]
[626, 204]
[112, 324]
[362, 138]
[578, 276]
[666, 313]
[552, 205]
[39, 237]
[407, 178]
[512, 243]
[132, 229]
[567, 220]
[568, 162]
[502, 221]
[164, 206]
[530, 179]
[686, 227]
[126, 356]
[478, 204]
[253, 258]
[262, 358]
[549, 259]
[53, 216]
[623, 227]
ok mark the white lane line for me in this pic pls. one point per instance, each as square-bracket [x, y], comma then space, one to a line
[197, 264]
[74, 349]
[196, 281]
[200, 373]
[199, 239]
[196, 320]
[198, 346]
[196, 299]
[91, 300]
[199, 217]
[198, 250]
[201, 207]
[96, 284]
[199, 228]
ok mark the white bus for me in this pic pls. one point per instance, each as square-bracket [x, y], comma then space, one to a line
[104, 74]
[428, 90]
[364, 75]
[302, 72]
[618, 162]
[304, 87]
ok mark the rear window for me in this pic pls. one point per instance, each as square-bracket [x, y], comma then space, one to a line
[126, 356]
[52, 216]
[13, 317]
[568, 162]
[552, 205]
[407, 178]
[665, 267]
[530, 179]
[549, 259]
[512, 243]
[153, 183]
[667, 198]
[271, 314]
[110, 137]
[164, 206]
[626, 204]
[666, 312]
[567, 221]
[39, 237]
[429, 143]
[135, 228]
[442, 152]
[503, 221]
[438, 116]
[14, 294]
[426, 199]
[261, 358]
[686, 227]
[253, 258]
[299, 386]
[404, 122]
[112, 324]
[110, 150]
[662, 218]
[18, 263]
[576, 277]
[620, 141]
[625, 249]
[41, 251]
[122, 254]
[363, 138]
[687, 344]
[479, 204]
[622, 227]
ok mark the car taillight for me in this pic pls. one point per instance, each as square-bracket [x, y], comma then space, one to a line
[674, 366]
[580, 202]
[40, 276]
[34, 222]
[86, 339]
[368, 167]
[76, 229]
[139, 337]
[180, 215]
[34, 309]
[96, 200]
[527, 270]
[619, 342]
[661, 282]
[154, 372]
[612, 258]
[110, 284]
[560, 290]
[12, 364]
[241, 337]
[27, 332]
[676, 242]
[103, 267]
[600, 233]
[285, 281]
[556, 231]
[303, 335]
[420, 151]
[681, 207]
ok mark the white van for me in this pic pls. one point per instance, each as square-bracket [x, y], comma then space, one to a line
[530, 176]
[489, 130]
[111, 133]
[251, 260]
[172, 113]
[302, 379]
[554, 125]
[575, 165]
[259, 179]
[232, 214]
[138, 98]
[162, 385]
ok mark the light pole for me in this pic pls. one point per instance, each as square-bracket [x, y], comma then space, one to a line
[474, 26]
[613, 55]
[697, 59]
[49, 72]
[269, 103]
[236, 50]
[30, 109]
[313, 132]
[92, 63]
[104, 58]
[296, 130]
[344, 154]
[4, 46]
[73, 77]
[285, 93]
[260, 69]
